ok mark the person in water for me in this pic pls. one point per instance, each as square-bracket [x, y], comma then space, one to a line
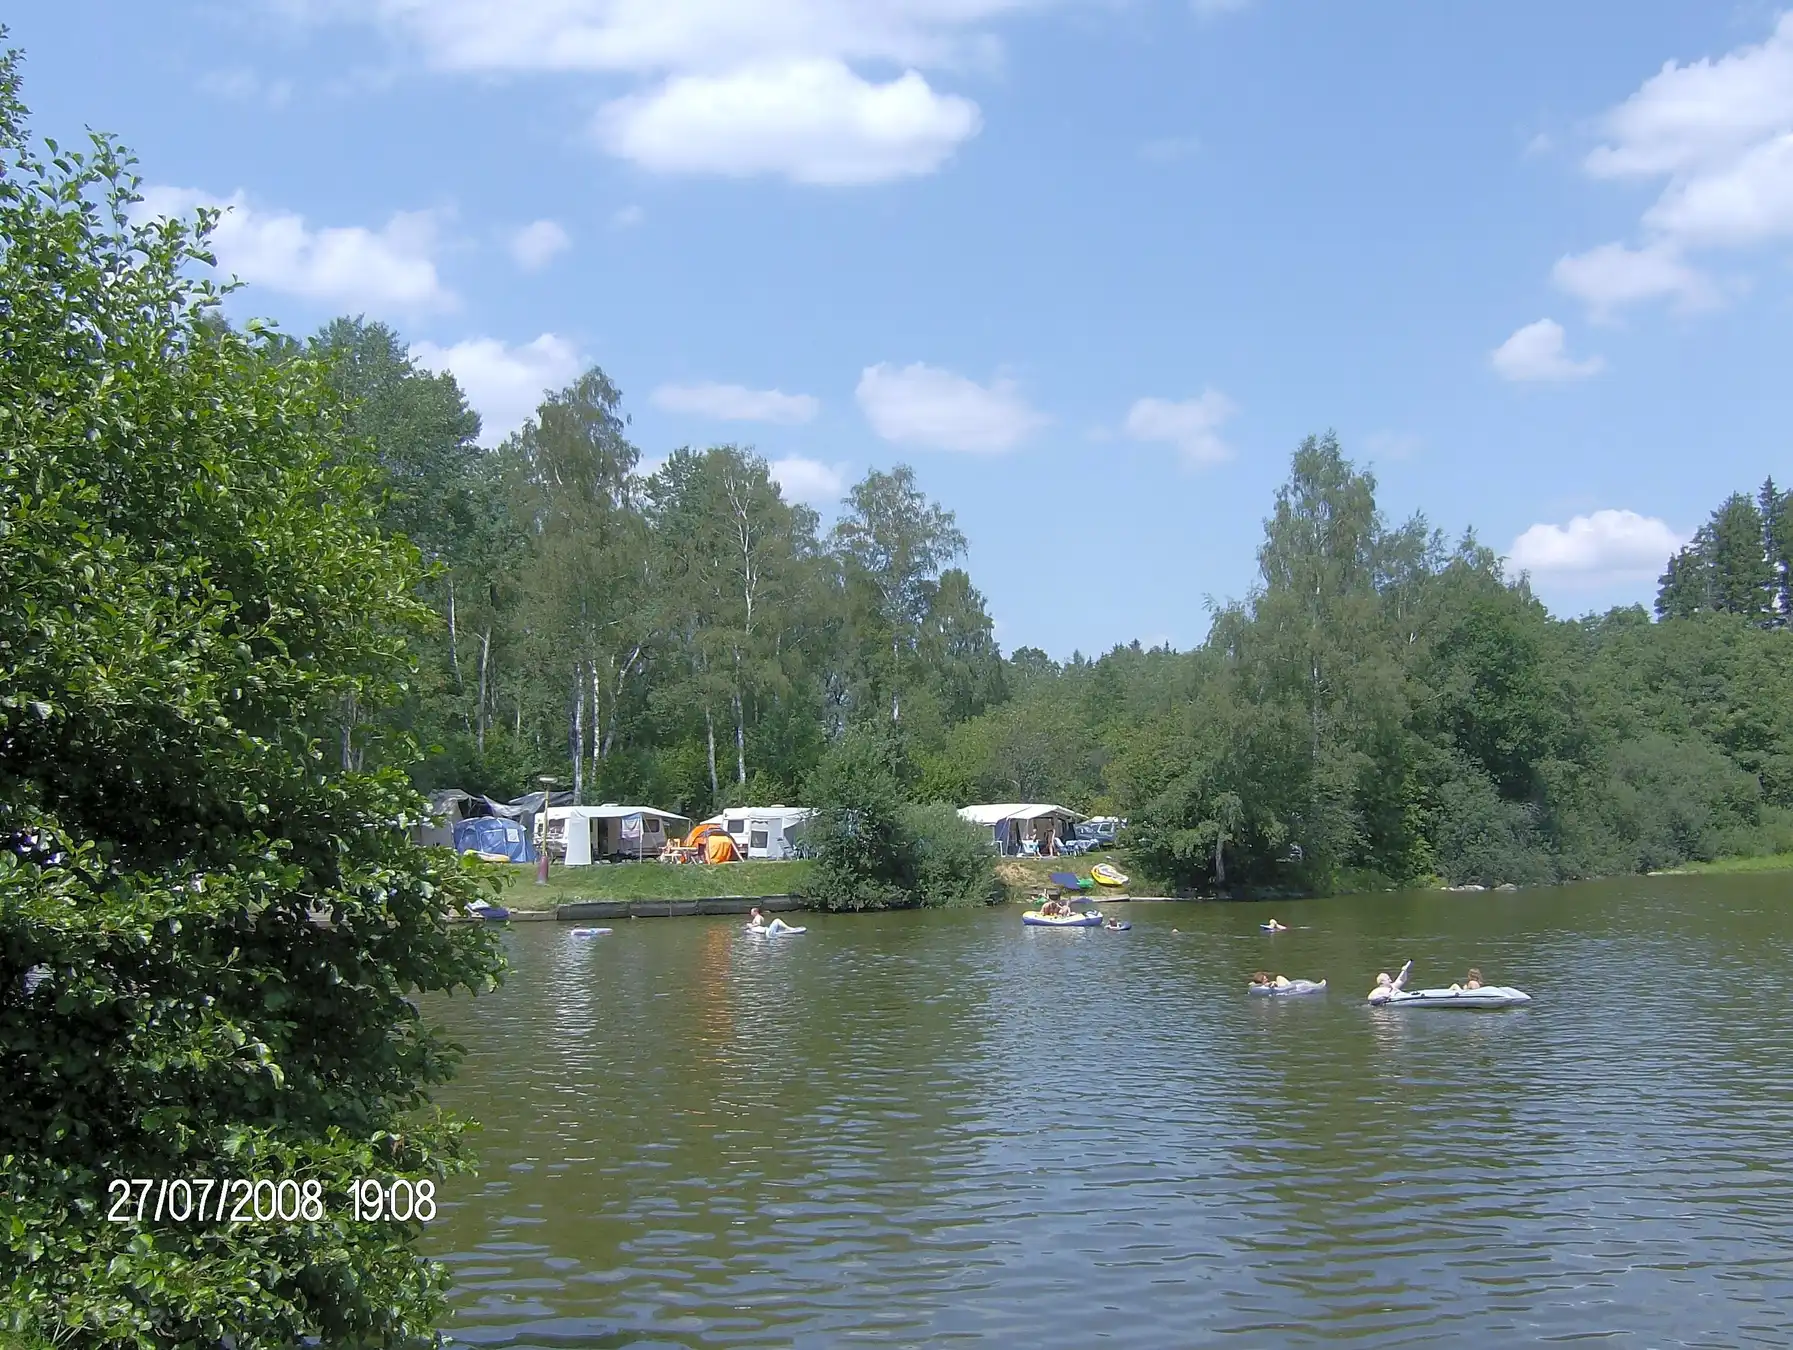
[1261, 980]
[1473, 980]
[1276, 927]
[1387, 987]
[757, 920]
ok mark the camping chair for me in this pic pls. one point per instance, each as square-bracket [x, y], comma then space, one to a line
[1030, 848]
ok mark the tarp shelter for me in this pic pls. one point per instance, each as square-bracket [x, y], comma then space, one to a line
[495, 835]
[1015, 825]
[764, 831]
[580, 835]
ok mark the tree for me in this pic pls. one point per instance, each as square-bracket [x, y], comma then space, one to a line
[894, 542]
[210, 941]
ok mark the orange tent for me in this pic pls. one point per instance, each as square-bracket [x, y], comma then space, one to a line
[697, 836]
[719, 848]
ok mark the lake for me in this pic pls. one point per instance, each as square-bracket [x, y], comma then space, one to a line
[936, 1128]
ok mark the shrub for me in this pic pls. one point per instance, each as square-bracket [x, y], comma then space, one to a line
[951, 858]
[192, 592]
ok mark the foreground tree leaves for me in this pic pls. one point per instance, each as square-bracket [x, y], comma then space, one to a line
[211, 937]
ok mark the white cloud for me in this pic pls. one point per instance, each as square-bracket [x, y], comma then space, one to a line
[1537, 352]
[1721, 134]
[1193, 425]
[538, 243]
[1607, 546]
[924, 405]
[809, 121]
[504, 384]
[1688, 117]
[351, 266]
[736, 403]
[808, 480]
[1744, 202]
[1612, 276]
[243, 85]
[733, 87]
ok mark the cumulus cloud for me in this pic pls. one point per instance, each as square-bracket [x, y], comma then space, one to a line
[504, 383]
[1538, 353]
[537, 244]
[1720, 135]
[732, 87]
[1609, 277]
[808, 480]
[242, 85]
[1193, 425]
[809, 121]
[1604, 547]
[348, 265]
[924, 405]
[736, 403]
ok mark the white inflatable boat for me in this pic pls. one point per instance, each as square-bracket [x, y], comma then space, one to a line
[1488, 996]
[1087, 919]
[1391, 995]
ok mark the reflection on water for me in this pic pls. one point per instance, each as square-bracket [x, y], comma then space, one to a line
[924, 1128]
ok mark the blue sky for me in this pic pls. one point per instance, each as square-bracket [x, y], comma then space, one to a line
[1093, 267]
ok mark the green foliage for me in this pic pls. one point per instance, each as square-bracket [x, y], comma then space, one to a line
[951, 862]
[210, 939]
[876, 850]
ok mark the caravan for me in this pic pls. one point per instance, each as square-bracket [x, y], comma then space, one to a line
[764, 831]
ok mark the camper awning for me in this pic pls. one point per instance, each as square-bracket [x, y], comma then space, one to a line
[993, 812]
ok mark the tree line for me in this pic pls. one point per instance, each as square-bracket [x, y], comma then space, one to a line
[684, 635]
[1385, 705]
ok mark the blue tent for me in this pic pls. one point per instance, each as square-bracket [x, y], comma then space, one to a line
[493, 834]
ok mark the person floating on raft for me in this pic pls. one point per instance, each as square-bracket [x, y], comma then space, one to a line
[1274, 927]
[1473, 980]
[757, 921]
[1387, 988]
[1264, 980]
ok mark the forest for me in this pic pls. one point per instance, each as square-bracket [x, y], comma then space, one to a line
[1384, 706]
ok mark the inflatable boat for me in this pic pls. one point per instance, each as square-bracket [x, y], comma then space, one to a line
[1108, 876]
[1295, 987]
[783, 930]
[592, 932]
[1488, 996]
[1089, 919]
[1116, 925]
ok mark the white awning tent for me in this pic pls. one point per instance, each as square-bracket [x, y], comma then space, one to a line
[764, 831]
[589, 833]
[1013, 825]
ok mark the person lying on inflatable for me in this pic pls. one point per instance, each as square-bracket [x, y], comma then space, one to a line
[1265, 980]
[1274, 927]
[757, 920]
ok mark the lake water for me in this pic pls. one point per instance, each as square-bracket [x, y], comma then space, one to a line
[921, 1129]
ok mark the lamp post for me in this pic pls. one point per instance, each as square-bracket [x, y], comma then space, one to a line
[541, 857]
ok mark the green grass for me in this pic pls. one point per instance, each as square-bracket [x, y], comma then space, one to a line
[1766, 862]
[1024, 878]
[651, 881]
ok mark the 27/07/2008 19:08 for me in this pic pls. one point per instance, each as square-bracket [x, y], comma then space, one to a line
[241, 1200]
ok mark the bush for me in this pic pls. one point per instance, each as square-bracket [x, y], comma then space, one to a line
[193, 592]
[860, 831]
[873, 850]
[952, 861]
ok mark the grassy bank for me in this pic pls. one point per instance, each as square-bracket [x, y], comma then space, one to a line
[652, 881]
[1766, 862]
[1024, 878]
